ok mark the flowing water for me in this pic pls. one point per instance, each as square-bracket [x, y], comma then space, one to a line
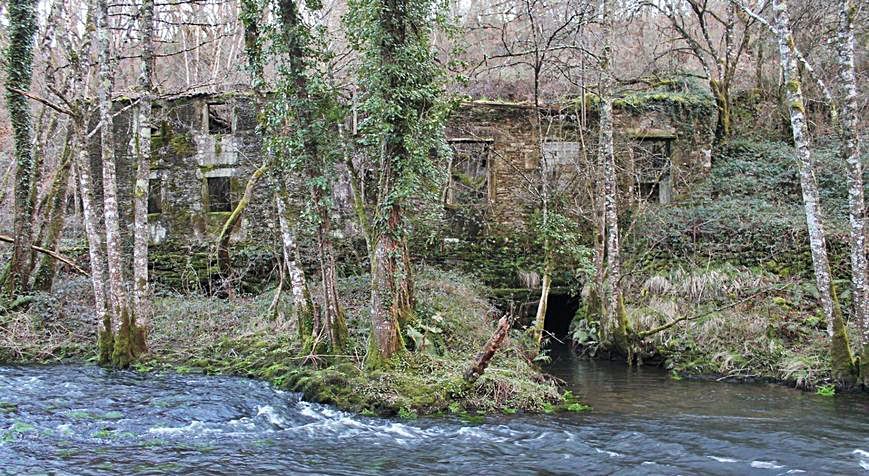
[85, 420]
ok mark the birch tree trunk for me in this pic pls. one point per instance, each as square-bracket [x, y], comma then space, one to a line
[841, 352]
[141, 288]
[850, 134]
[615, 310]
[19, 72]
[128, 341]
[303, 308]
[94, 239]
[546, 282]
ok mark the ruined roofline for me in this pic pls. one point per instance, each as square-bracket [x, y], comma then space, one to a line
[191, 94]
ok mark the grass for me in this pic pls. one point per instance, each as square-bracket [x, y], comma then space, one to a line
[750, 324]
[236, 336]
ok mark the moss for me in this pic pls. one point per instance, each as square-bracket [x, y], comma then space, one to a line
[233, 336]
[182, 145]
[864, 365]
[105, 341]
[842, 361]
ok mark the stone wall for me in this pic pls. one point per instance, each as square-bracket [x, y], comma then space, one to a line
[678, 142]
[207, 143]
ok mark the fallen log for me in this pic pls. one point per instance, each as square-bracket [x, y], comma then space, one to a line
[57, 256]
[481, 361]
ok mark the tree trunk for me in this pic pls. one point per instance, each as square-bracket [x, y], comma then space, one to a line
[317, 167]
[850, 135]
[141, 288]
[386, 303]
[303, 307]
[841, 352]
[721, 93]
[545, 175]
[95, 241]
[615, 312]
[55, 211]
[223, 257]
[333, 313]
[19, 72]
[128, 339]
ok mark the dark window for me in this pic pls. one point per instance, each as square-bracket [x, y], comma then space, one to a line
[155, 197]
[649, 191]
[219, 118]
[652, 166]
[156, 122]
[219, 197]
[469, 173]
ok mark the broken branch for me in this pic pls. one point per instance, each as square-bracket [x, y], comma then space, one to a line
[57, 256]
[481, 361]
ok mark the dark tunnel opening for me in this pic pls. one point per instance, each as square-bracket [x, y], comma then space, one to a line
[559, 313]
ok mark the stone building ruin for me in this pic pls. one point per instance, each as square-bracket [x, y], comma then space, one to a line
[205, 148]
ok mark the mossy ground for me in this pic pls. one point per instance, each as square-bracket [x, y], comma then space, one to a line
[735, 253]
[750, 325]
[237, 336]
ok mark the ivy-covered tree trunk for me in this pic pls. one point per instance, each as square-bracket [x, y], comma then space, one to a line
[141, 232]
[127, 338]
[841, 352]
[616, 316]
[19, 72]
[55, 212]
[850, 133]
[403, 86]
[386, 300]
[311, 103]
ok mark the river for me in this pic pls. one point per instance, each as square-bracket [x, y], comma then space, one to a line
[86, 420]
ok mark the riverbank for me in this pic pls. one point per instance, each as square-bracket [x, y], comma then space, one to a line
[731, 261]
[741, 324]
[238, 336]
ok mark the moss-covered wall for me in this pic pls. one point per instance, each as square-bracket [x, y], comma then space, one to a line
[512, 129]
[186, 154]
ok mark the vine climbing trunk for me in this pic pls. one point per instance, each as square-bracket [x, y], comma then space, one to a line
[616, 316]
[403, 85]
[386, 300]
[851, 149]
[841, 352]
[19, 72]
[313, 101]
[141, 232]
[127, 338]
[55, 212]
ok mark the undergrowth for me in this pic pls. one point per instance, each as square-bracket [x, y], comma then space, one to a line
[238, 336]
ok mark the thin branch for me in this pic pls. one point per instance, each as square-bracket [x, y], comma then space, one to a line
[672, 323]
[57, 256]
[42, 101]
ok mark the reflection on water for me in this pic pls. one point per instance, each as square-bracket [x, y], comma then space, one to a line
[85, 420]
